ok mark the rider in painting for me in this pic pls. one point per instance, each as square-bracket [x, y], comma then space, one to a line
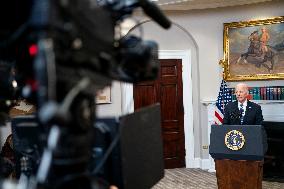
[259, 50]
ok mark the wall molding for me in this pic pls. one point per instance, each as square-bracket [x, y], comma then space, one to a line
[196, 163]
[185, 55]
[203, 164]
[127, 105]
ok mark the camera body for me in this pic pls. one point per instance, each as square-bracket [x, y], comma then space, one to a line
[83, 39]
[57, 54]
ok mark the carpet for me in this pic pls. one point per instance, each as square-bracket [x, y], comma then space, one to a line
[184, 178]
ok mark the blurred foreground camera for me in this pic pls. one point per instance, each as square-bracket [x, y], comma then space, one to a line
[138, 59]
[57, 54]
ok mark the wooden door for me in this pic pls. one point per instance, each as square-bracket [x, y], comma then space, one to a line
[167, 90]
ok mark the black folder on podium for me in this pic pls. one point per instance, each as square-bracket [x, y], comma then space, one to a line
[253, 138]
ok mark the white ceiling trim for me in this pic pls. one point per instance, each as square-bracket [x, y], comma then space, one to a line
[203, 4]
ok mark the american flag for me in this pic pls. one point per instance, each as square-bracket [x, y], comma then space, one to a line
[225, 96]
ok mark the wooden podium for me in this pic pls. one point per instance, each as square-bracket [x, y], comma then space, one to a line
[238, 152]
[241, 174]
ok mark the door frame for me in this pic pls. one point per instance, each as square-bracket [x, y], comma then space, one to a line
[127, 101]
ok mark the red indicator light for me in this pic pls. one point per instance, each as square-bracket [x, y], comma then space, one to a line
[33, 50]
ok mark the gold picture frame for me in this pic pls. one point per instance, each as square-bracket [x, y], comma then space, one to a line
[254, 50]
[104, 96]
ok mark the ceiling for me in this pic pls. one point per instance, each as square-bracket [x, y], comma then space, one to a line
[202, 4]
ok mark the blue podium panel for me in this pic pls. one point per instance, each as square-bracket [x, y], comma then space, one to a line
[238, 142]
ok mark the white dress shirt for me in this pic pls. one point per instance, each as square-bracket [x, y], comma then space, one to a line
[245, 103]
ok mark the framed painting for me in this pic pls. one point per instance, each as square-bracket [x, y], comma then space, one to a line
[254, 50]
[104, 96]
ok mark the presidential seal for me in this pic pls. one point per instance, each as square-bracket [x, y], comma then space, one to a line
[234, 140]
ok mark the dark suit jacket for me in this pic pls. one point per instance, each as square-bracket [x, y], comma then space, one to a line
[253, 114]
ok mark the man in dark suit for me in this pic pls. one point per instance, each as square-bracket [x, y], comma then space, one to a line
[242, 111]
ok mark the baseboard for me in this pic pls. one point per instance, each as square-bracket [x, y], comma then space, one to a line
[211, 170]
[197, 163]
[211, 165]
[203, 164]
[189, 162]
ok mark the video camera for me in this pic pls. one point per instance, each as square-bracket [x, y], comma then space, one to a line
[83, 40]
[57, 54]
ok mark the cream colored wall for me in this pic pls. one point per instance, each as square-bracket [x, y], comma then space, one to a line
[206, 30]
[114, 108]
[203, 36]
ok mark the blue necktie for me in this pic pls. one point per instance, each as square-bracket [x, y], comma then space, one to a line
[242, 113]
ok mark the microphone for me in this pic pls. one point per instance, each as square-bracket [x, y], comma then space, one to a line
[152, 10]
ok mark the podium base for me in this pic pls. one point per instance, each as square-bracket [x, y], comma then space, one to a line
[241, 174]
